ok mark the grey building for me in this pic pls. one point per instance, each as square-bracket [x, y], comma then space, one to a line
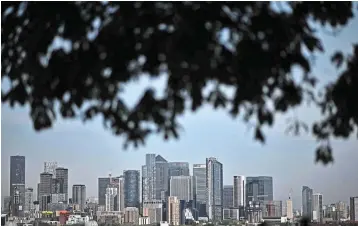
[149, 178]
[79, 195]
[17, 174]
[18, 199]
[162, 178]
[214, 185]
[103, 183]
[62, 177]
[258, 189]
[228, 195]
[353, 211]
[182, 187]
[199, 173]
[178, 169]
[317, 206]
[45, 189]
[307, 196]
[29, 200]
[239, 191]
[131, 188]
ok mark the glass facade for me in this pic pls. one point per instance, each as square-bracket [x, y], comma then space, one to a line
[259, 189]
[17, 171]
[214, 183]
[131, 188]
[307, 195]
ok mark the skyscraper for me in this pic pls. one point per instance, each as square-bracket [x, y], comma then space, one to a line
[131, 188]
[259, 189]
[62, 177]
[214, 185]
[317, 204]
[29, 200]
[178, 169]
[79, 195]
[173, 210]
[17, 175]
[199, 173]
[182, 187]
[50, 167]
[149, 178]
[103, 183]
[353, 211]
[111, 194]
[239, 191]
[228, 194]
[162, 178]
[45, 189]
[307, 194]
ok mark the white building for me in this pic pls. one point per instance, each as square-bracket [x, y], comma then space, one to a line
[317, 207]
[50, 167]
[29, 200]
[239, 191]
[111, 194]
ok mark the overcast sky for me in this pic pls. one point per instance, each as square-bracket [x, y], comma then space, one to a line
[89, 151]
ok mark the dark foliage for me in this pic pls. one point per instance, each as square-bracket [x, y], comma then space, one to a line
[180, 40]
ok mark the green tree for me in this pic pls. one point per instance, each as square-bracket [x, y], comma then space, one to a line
[110, 44]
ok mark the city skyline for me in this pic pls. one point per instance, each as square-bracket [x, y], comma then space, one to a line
[289, 160]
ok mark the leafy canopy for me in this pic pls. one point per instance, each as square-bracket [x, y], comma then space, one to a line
[111, 44]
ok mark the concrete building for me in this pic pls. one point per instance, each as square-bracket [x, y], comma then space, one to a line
[153, 210]
[79, 195]
[239, 191]
[111, 195]
[317, 204]
[214, 185]
[131, 188]
[131, 215]
[289, 209]
[173, 210]
[307, 208]
[182, 187]
[149, 178]
[353, 205]
[228, 195]
[62, 176]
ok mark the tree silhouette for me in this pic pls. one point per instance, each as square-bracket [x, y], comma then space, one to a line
[108, 45]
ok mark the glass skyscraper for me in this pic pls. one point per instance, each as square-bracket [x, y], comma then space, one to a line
[214, 184]
[258, 189]
[307, 196]
[131, 188]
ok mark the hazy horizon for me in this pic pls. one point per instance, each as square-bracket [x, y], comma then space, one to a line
[89, 151]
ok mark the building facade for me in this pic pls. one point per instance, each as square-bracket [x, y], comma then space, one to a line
[29, 200]
[317, 207]
[79, 195]
[182, 187]
[17, 180]
[131, 188]
[228, 195]
[161, 178]
[173, 210]
[239, 191]
[149, 178]
[353, 211]
[214, 185]
[62, 177]
[259, 189]
[307, 194]
[199, 173]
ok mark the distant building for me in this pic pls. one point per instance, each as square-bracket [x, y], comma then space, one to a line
[79, 195]
[228, 195]
[29, 200]
[103, 183]
[317, 204]
[45, 189]
[153, 210]
[214, 184]
[353, 208]
[307, 196]
[131, 215]
[231, 214]
[259, 189]
[182, 187]
[50, 167]
[62, 176]
[173, 210]
[199, 172]
[111, 195]
[149, 178]
[239, 191]
[131, 188]
[161, 178]
[289, 209]
[17, 180]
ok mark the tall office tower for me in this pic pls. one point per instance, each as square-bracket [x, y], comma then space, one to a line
[182, 187]
[289, 209]
[29, 200]
[103, 183]
[258, 189]
[62, 176]
[45, 189]
[118, 182]
[317, 204]
[79, 195]
[153, 210]
[149, 178]
[341, 209]
[307, 202]
[17, 175]
[173, 210]
[199, 173]
[111, 195]
[239, 191]
[228, 196]
[214, 185]
[178, 169]
[50, 167]
[353, 208]
[161, 184]
[131, 188]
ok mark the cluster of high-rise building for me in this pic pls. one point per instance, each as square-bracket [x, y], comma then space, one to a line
[165, 191]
